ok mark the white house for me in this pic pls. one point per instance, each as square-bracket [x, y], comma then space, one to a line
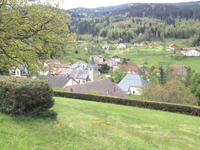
[132, 83]
[172, 46]
[121, 46]
[105, 46]
[110, 62]
[79, 64]
[136, 44]
[191, 52]
[96, 58]
[115, 58]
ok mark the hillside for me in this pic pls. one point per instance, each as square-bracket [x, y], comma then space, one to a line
[139, 21]
[92, 125]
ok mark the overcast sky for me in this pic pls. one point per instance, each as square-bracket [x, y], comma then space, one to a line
[98, 3]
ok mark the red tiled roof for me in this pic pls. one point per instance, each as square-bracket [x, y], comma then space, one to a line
[62, 65]
[95, 55]
[151, 44]
[176, 67]
[143, 42]
[140, 66]
[173, 45]
[131, 67]
[188, 48]
[100, 63]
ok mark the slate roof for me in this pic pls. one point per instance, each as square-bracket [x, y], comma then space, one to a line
[93, 65]
[101, 86]
[77, 74]
[132, 80]
[57, 81]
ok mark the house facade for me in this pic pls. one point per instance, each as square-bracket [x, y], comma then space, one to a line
[61, 67]
[143, 43]
[192, 52]
[115, 58]
[96, 58]
[19, 71]
[110, 62]
[151, 45]
[179, 70]
[105, 46]
[136, 44]
[131, 68]
[173, 46]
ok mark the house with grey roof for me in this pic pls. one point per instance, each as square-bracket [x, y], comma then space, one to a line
[102, 86]
[82, 76]
[132, 83]
[60, 81]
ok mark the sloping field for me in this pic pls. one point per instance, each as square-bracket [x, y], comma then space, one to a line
[92, 125]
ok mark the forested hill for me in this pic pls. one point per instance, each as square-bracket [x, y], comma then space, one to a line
[98, 9]
[157, 10]
[140, 21]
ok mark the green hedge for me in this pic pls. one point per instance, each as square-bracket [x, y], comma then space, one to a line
[24, 96]
[190, 110]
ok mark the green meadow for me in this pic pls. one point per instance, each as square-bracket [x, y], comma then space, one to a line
[91, 125]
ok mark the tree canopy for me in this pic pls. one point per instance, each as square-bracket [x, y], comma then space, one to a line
[32, 31]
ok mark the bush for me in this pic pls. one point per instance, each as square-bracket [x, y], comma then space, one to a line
[24, 96]
[173, 92]
[190, 110]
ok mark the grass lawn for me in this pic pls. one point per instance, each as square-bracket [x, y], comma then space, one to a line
[91, 125]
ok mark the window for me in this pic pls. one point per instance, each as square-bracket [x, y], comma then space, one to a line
[90, 69]
[133, 92]
[79, 81]
[83, 81]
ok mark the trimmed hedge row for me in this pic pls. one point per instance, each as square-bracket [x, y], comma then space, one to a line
[24, 96]
[190, 110]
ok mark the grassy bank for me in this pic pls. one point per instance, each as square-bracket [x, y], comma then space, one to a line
[91, 125]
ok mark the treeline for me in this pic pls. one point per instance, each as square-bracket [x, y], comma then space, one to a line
[160, 11]
[137, 29]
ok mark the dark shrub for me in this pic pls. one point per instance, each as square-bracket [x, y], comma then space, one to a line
[24, 96]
